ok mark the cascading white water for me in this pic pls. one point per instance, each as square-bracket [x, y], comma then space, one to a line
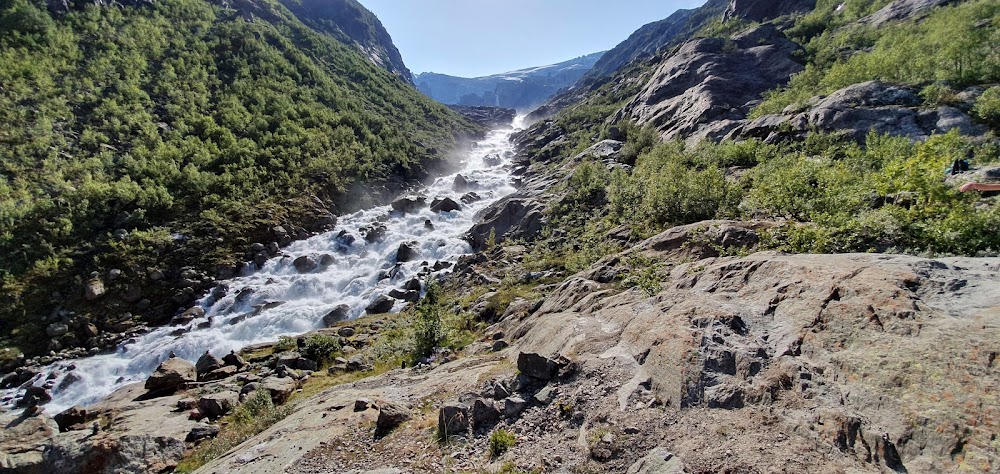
[298, 302]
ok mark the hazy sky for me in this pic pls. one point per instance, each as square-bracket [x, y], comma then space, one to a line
[480, 37]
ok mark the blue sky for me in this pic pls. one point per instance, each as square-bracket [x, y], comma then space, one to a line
[480, 37]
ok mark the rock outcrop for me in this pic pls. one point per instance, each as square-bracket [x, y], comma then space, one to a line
[709, 85]
[170, 375]
[489, 117]
[859, 109]
[352, 24]
[903, 9]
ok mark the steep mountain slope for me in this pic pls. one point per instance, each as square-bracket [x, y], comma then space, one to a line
[146, 147]
[351, 23]
[521, 89]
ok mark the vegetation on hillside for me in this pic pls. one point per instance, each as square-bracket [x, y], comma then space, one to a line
[833, 195]
[188, 125]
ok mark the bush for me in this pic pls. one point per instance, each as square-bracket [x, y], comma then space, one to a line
[987, 108]
[429, 332]
[321, 348]
[501, 441]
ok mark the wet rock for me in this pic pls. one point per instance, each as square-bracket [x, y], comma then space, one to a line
[453, 419]
[428, 224]
[410, 296]
[390, 415]
[461, 184]
[409, 204]
[412, 285]
[217, 404]
[170, 375]
[190, 314]
[382, 304]
[445, 205]
[207, 363]
[470, 198]
[305, 264]
[537, 366]
[201, 432]
[408, 251]
[374, 232]
[493, 159]
[338, 314]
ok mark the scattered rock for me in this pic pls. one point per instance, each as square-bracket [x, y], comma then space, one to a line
[346, 331]
[461, 184]
[207, 363]
[513, 406]
[73, 418]
[234, 360]
[217, 404]
[93, 290]
[57, 330]
[409, 204]
[202, 431]
[362, 404]
[470, 198]
[410, 296]
[485, 414]
[546, 395]
[280, 388]
[658, 461]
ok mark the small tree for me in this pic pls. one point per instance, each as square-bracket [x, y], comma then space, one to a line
[429, 331]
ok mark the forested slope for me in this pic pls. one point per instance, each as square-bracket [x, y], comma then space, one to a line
[155, 137]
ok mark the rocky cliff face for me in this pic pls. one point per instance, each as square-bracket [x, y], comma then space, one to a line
[352, 24]
[521, 90]
[762, 10]
[708, 85]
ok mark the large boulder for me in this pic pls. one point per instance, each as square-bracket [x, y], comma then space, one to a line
[207, 363]
[305, 264]
[453, 419]
[280, 388]
[511, 218]
[390, 415]
[537, 366]
[94, 289]
[171, 375]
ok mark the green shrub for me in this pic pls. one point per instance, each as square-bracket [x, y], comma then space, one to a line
[987, 108]
[429, 331]
[936, 95]
[321, 348]
[285, 343]
[501, 441]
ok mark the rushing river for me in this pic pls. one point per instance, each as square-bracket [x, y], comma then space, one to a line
[277, 300]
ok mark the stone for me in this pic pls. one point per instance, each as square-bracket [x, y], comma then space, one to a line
[207, 363]
[390, 416]
[469, 198]
[346, 331]
[217, 404]
[658, 461]
[219, 374]
[383, 304]
[294, 360]
[202, 431]
[338, 314]
[74, 416]
[461, 184]
[500, 345]
[412, 285]
[190, 314]
[537, 366]
[326, 260]
[280, 388]
[357, 363]
[445, 205]
[57, 330]
[305, 264]
[513, 406]
[453, 419]
[170, 375]
[485, 414]
[234, 359]
[761, 11]
[546, 395]
[511, 218]
[94, 289]
[500, 391]
[362, 404]
[408, 251]
[374, 232]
